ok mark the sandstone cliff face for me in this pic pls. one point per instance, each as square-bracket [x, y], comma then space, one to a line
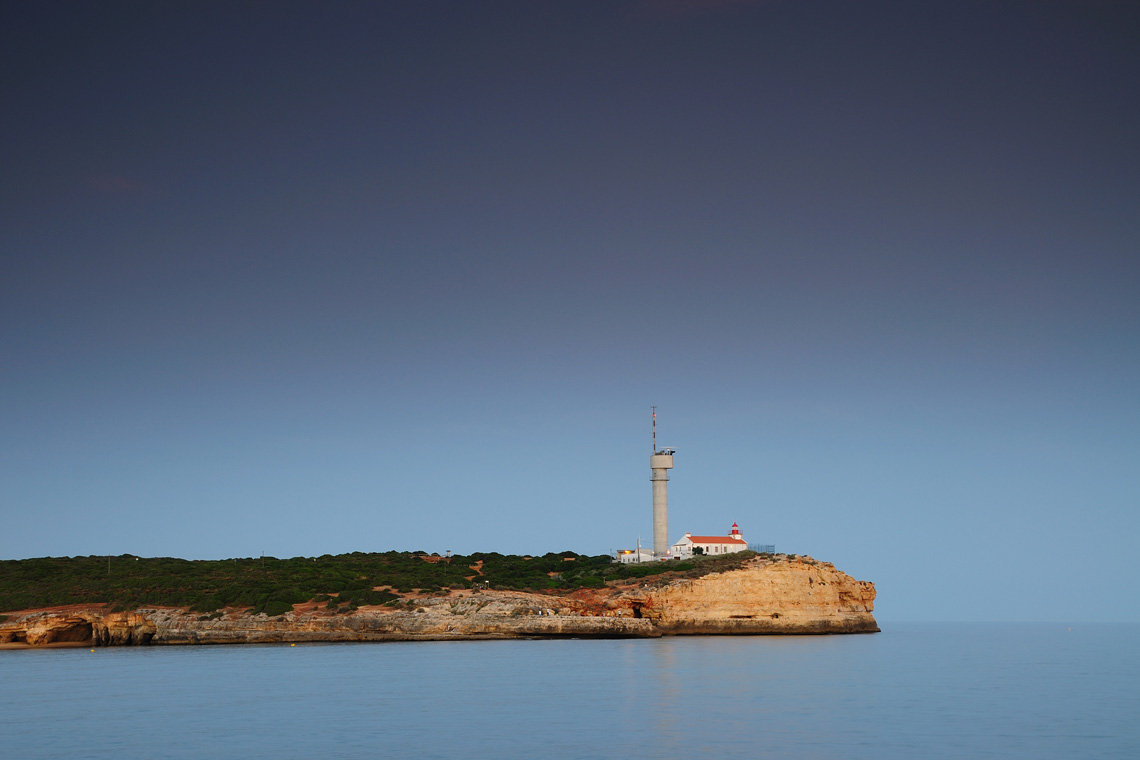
[80, 626]
[765, 596]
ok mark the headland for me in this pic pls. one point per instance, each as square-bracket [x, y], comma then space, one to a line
[745, 594]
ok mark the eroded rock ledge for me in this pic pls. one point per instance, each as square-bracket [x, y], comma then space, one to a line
[765, 596]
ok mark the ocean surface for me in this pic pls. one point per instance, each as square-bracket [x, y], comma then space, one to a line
[912, 691]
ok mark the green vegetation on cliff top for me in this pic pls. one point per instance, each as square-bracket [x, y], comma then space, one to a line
[342, 582]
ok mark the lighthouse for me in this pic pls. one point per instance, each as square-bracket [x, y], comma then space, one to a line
[660, 462]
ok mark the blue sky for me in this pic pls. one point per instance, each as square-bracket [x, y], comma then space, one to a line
[305, 278]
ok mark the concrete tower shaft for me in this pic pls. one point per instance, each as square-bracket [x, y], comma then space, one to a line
[660, 463]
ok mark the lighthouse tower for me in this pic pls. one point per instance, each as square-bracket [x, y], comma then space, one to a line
[660, 462]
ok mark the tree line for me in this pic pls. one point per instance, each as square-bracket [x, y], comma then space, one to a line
[341, 583]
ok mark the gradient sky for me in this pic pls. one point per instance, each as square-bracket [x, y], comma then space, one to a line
[313, 278]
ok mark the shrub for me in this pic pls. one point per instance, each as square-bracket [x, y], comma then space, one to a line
[274, 608]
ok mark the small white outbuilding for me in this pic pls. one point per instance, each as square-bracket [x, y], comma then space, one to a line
[630, 556]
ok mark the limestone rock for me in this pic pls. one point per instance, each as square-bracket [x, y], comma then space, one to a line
[766, 596]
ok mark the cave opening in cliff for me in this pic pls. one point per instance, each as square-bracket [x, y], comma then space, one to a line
[636, 610]
[78, 632]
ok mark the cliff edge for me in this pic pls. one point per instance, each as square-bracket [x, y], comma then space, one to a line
[765, 595]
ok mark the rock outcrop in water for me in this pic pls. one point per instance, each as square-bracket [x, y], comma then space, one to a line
[767, 595]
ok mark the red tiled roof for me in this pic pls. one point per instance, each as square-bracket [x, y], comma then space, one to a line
[715, 540]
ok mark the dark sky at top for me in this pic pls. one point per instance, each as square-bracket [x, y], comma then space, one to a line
[300, 278]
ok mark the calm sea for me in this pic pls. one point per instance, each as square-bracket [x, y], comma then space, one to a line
[913, 691]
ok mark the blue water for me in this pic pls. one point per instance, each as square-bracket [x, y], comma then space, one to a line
[913, 691]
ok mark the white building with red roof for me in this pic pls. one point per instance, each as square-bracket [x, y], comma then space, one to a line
[710, 545]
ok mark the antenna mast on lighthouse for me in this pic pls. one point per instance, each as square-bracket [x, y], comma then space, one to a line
[654, 428]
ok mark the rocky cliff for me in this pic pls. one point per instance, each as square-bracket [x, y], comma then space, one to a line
[767, 595]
